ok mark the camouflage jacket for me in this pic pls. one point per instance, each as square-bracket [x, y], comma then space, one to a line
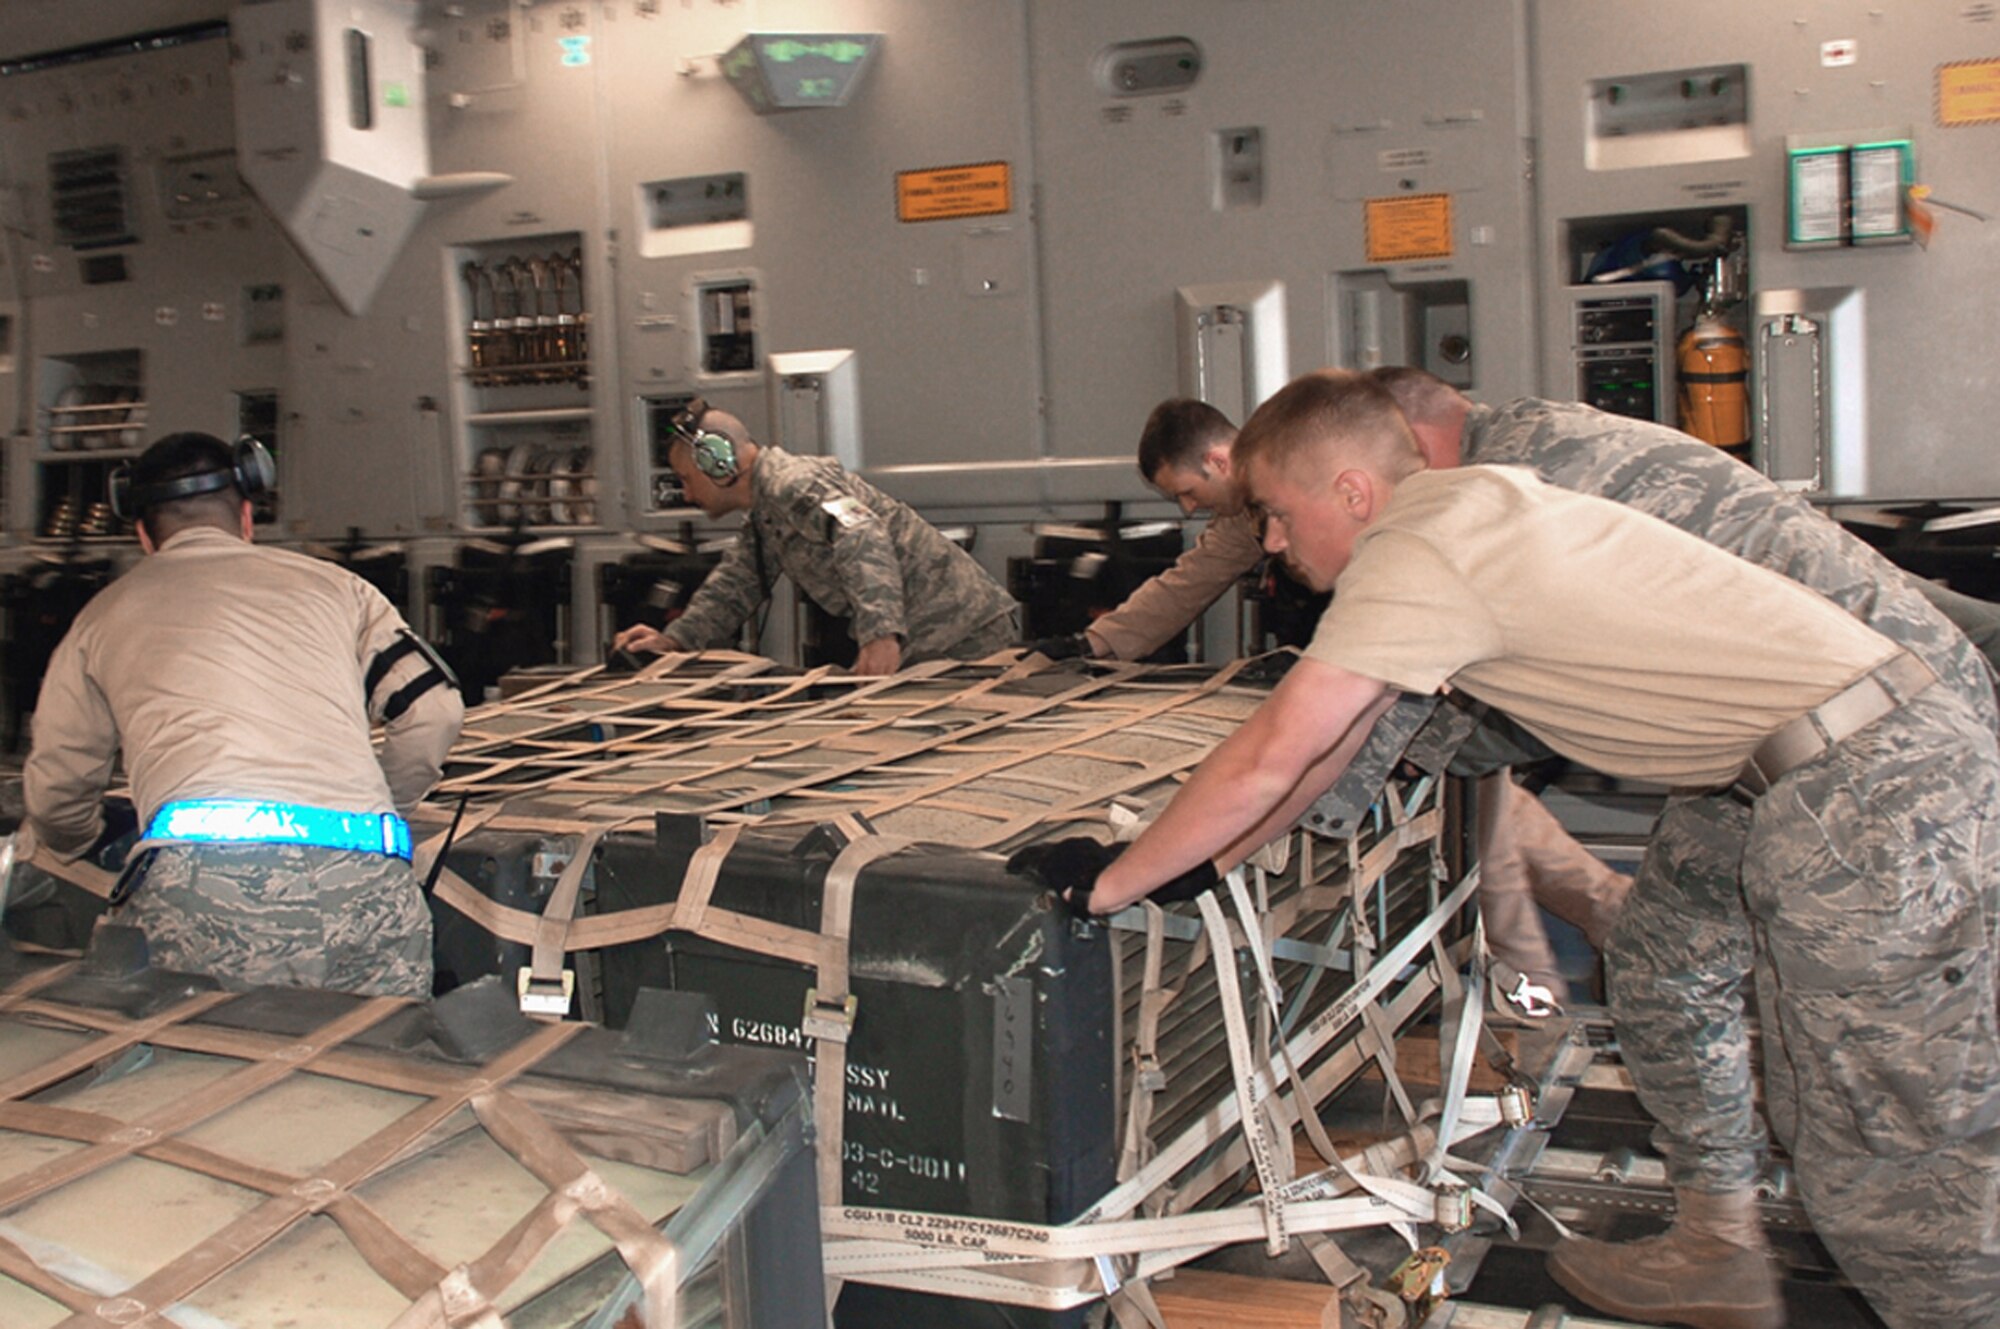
[858, 553]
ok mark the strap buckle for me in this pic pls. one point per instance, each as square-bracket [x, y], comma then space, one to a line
[1420, 1280]
[1533, 1000]
[545, 996]
[1453, 1206]
[1517, 1104]
[828, 1020]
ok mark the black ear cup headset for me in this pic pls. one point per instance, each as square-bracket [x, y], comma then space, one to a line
[714, 454]
[251, 470]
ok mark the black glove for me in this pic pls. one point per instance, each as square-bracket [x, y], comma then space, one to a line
[1068, 867]
[618, 660]
[115, 840]
[1201, 877]
[1061, 648]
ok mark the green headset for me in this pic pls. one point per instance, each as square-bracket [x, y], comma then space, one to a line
[714, 454]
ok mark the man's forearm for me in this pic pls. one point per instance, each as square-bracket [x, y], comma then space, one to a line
[1164, 607]
[1306, 730]
[69, 768]
[415, 743]
[865, 561]
[1319, 777]
[66, 818]
[1226, 797]
[713, 616]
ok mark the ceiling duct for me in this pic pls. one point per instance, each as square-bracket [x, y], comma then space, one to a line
[330, 130]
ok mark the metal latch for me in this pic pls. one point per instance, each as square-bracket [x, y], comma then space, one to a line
[1517, 1105]
[545, 996]
[828, 1019]
[1419, 1280]
[1454, 1207]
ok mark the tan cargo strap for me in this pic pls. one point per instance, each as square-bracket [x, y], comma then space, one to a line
[147, 1301]
[904, 1250]
[134, 1136]
[1132, 1306]
[453, 1304]
[830, 1007]
[28, 984]
[574, 1189]
[37, 1078]
[596, 931]
[1366, 869]
[546, 986]
[1147, 1076]
[1303, 1045]
[1272, 1157]
[698, 882]
[1274, 1009]
[404, 1267]
[80, 873]
[973, 1255]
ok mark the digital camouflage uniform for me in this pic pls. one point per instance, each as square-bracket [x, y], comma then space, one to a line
[279, 914]
[1893, 1121]
[858, 554]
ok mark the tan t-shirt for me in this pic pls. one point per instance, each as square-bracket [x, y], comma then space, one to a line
[225, 669]
[1161, 610]
[1617, 639]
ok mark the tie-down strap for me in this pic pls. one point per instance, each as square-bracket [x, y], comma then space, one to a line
[164, 1133]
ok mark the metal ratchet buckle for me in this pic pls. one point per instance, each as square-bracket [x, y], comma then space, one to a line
[545, 996]
[1517, 1104]
[1419, 1279]
[1453, 1207]
[828, 1019]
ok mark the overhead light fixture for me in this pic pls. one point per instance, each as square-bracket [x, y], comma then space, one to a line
[796, 71]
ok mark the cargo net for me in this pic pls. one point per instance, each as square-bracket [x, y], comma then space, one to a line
[1238, 1018]
[154, 1169]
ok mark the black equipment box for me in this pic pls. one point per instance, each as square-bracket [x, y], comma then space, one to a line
[980, 1072]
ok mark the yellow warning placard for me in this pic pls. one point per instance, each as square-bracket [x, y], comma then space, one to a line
[1968, 93]
[1407, 227]
[944, 192]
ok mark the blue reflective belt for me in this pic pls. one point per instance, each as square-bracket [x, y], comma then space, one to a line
[251, 821]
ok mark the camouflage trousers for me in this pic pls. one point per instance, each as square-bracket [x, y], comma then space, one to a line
[1860, 897]
[250, 914]
[996, 634]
